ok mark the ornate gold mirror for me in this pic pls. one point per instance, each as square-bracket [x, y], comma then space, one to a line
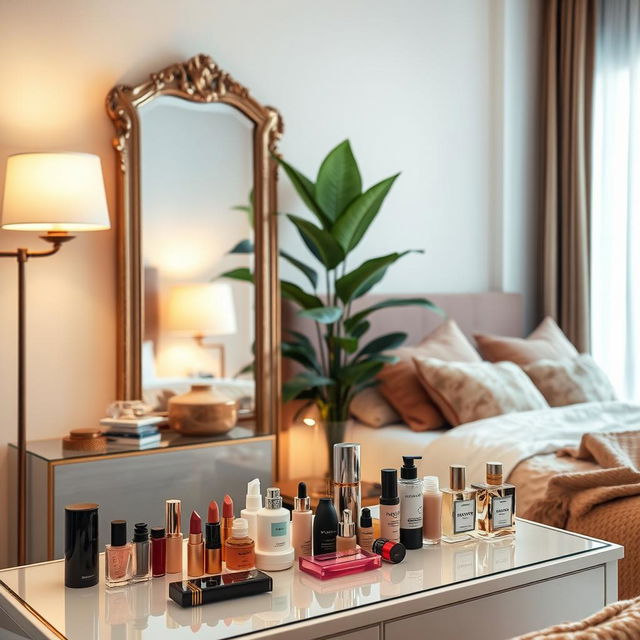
[196, 179]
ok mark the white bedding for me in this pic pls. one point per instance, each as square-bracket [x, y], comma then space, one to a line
[514, 437]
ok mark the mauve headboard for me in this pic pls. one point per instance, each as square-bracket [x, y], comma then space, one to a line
[490, 312]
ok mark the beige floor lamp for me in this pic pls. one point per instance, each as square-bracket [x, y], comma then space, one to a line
[58, 194]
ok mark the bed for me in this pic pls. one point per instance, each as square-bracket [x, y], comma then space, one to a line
[528, 443]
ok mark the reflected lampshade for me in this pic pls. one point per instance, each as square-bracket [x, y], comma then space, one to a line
[202, 309]
[54, 192]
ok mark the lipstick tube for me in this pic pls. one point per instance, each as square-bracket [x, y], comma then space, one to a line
[227, 521]
[195, 548]
[212, 541]
[173, 517]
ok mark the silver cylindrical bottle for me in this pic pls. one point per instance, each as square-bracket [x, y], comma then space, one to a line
[141, 553]
[346, 478]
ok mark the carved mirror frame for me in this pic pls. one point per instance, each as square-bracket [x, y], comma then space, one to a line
[199, 80]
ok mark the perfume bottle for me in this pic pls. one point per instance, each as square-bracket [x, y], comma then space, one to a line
[346, 478]
[240, 547]
[458, 507]
[117, 557]
[496, 504]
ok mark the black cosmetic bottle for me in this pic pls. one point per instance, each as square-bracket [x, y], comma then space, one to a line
[81, 545]
[325, 528]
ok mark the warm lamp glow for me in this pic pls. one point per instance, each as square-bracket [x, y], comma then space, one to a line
[310, 422]
[54, 192]
[202, 309]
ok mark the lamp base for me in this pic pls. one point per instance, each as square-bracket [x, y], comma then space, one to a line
[57, 237]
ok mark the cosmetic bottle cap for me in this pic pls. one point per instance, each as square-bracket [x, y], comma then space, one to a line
[212, 538]
[173, 517]
[240, 528]
[430, 484]
[347, 527]
[457, 480]
[346, 462]
[494, 472]
[157, 533]
[365, 519]
[302, 502]
[254, 497]
[140, 532]
[118, 533]
[389, 478]
[273, 499]
[409, 471]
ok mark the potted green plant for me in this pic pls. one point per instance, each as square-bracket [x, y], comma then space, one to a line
[342, 362]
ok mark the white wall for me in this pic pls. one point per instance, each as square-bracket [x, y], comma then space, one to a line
[415, 85]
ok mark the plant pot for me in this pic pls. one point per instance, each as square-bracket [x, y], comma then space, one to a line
[202, 412]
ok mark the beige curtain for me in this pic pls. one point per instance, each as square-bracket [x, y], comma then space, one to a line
[568, 63]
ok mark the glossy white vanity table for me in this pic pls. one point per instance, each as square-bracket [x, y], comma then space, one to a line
[466, 590]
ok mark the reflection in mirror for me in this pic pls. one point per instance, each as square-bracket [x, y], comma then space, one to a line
[196, 179]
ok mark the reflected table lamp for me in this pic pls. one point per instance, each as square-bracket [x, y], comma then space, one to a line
[58, 194]
[203, 309]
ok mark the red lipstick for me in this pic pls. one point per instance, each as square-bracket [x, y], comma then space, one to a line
[227, 520]
[214, 514]
[195, 548]
[213, 543]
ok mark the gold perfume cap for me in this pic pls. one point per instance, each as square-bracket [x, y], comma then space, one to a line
[173, 517]
[457, 479]
[494, 472]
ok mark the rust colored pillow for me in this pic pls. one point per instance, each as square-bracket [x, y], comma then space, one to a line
[400, 385]
[546, 342]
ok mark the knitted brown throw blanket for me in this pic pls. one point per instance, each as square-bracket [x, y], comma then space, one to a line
[618, 621]
[590, 502]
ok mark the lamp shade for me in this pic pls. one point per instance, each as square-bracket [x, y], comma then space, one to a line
[204, 309]
[54, 192]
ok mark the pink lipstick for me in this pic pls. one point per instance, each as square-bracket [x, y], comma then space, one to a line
[227, 520]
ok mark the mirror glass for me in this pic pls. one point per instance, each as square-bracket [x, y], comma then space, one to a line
[196, 180]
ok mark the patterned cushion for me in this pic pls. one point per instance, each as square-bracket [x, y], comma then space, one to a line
[468, 391]
[372, 409]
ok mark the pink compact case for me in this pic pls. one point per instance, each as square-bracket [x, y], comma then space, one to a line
[339, 563]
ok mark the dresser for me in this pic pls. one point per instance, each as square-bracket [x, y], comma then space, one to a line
[133, 484]
[479, 589]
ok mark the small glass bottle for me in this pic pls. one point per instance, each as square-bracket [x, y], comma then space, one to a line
[240, 548]
[346, 539]
[141, 553]
[431, 510]
[158, 552]
[365, 531]
[117, 557]
[496, 504]
[458, 507]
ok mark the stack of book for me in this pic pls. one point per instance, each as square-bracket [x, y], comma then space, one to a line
[132, 433]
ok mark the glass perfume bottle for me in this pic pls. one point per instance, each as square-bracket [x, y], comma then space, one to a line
[496, 504]
[240, 547]
[458, 507]
[118, 557]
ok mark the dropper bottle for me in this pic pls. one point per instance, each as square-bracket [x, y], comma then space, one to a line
[302, 518]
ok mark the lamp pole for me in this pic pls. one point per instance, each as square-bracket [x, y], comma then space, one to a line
[22, 255]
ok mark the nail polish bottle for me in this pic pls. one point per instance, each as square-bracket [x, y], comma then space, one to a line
[389, 506]
[173, 527]
[365, 531]
[141, 553]
[302, 522]
[158, 552]
[346, 538]
[325, 528]
[241, 554]
[118, 557]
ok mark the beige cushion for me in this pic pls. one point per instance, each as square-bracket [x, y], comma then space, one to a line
[547, 342]
[468, 391]
[570, 381]
[372, 409]
[400, 385]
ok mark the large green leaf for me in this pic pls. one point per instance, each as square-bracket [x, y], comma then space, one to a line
[308, 271]
[347, 343]
[241, 273]
[359, 329]
[319, 241]
[354, 222]
[357, 282]
[293, 292]
[244, 246]
[300, 353]
[306, 190]
[360, 372]
[302, 382]
[354, 321]
[338, 182]
[383, 343]
[323, 315]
